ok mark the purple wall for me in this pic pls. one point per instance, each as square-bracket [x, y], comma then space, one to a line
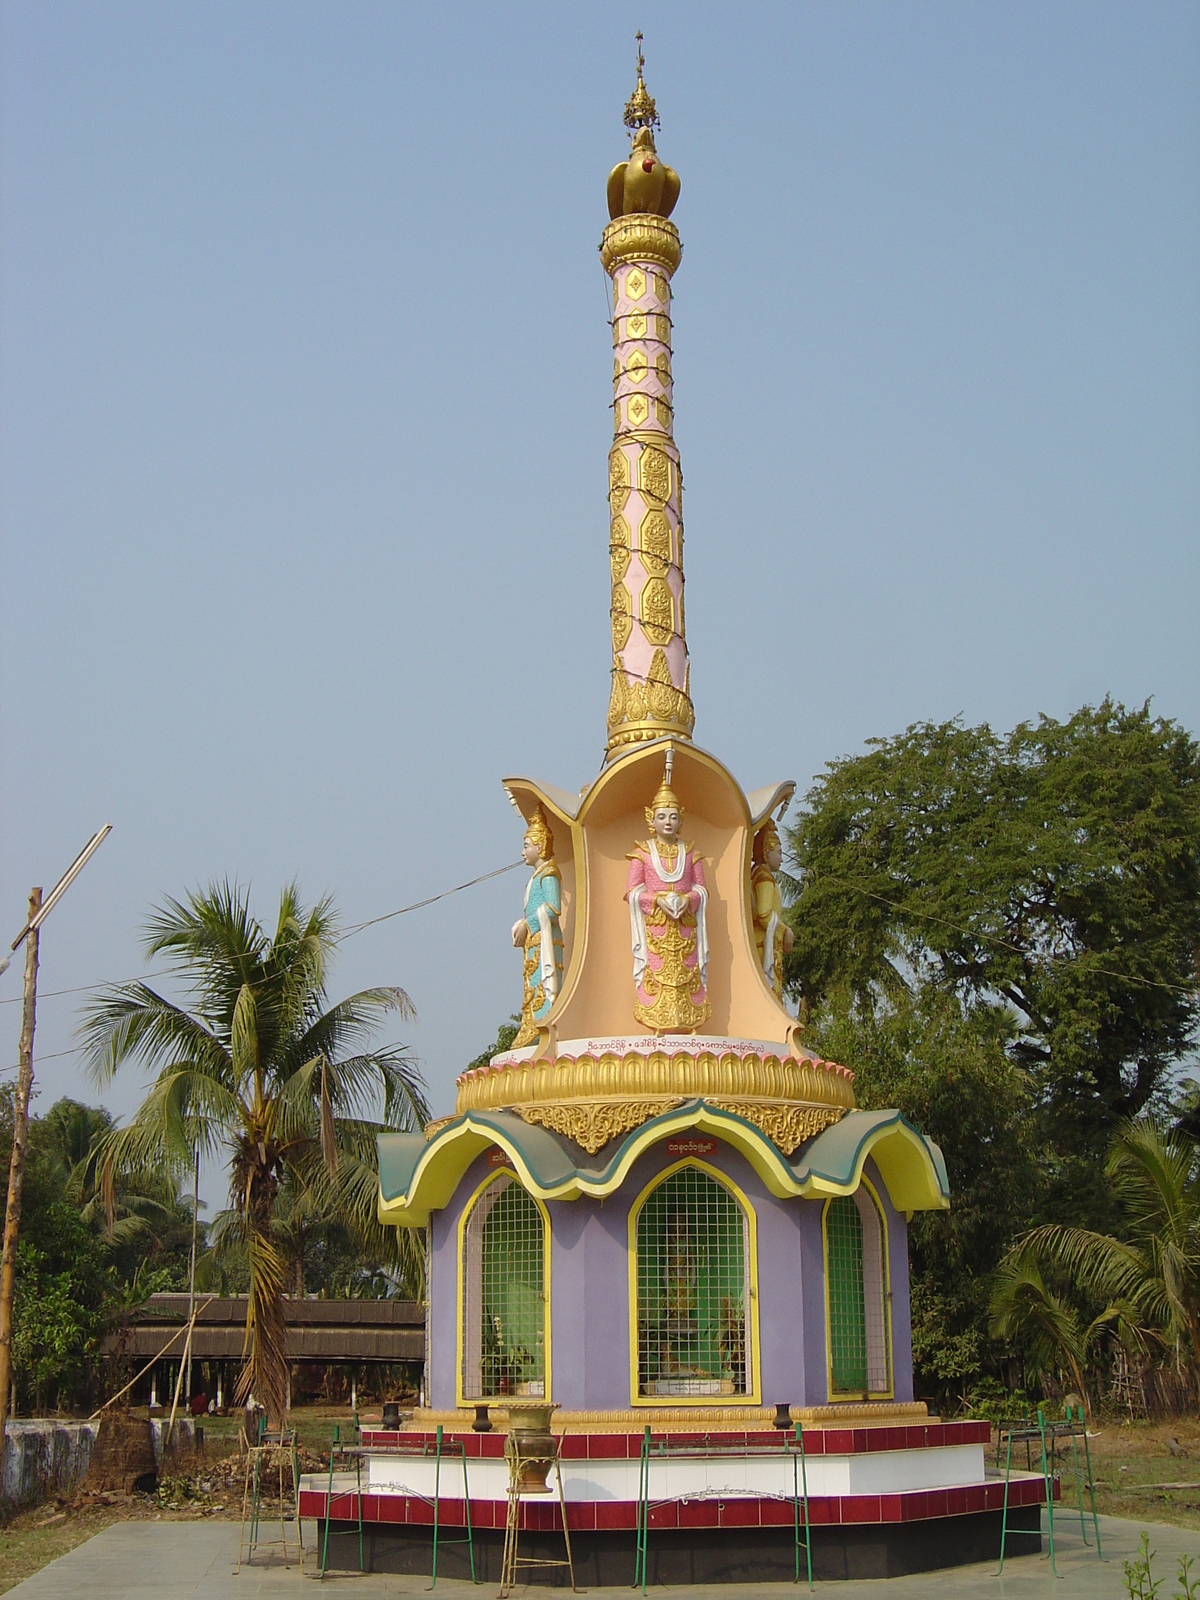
[589, 1290]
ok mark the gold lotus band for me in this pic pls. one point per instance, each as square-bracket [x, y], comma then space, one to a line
[641, 237]
[595, 1098]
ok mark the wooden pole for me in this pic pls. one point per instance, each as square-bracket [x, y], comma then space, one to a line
[192, 1273]
[16, 1167]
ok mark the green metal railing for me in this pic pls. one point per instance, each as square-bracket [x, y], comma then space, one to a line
[1047, 1436]
[441, 1449]
[792, 1448]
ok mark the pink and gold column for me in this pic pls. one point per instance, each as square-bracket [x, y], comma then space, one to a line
[640, 251]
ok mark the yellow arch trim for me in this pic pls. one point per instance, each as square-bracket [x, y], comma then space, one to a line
[874, 1394]
[459, 1331]
[754, 1397]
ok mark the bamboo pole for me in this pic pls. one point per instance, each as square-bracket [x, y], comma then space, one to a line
[182, 1328]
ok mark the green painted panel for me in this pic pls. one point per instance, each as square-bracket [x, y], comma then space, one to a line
[847, 1300]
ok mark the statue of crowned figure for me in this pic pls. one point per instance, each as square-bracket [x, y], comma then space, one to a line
[539, 932]
[772, 936]
[668, 902]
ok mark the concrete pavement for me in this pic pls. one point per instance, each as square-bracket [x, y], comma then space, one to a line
[196, 1560]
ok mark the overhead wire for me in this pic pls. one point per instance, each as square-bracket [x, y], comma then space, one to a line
[346, 933]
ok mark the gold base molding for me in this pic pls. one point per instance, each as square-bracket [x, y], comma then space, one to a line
[594, 1098]
[649, 708]
[861, 1414]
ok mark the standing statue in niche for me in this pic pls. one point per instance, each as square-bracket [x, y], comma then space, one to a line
[772, 935]
[668, 902]
[539, 932]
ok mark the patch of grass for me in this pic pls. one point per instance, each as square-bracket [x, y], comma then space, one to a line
[1132, 1462]
[32, 1539]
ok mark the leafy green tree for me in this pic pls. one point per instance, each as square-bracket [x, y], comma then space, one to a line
[60, 1306]
[261, 1071]
[1055, 871]
[948, 1071]
[505, 1034]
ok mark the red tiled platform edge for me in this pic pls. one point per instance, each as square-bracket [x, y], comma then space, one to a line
[721, 1538]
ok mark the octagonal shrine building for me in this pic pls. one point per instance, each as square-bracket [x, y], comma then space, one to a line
[658, 1202]
[658, 1208]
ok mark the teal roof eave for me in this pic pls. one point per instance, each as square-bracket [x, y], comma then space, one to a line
[417, 1176]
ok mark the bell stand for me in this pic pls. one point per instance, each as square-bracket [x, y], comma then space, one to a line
[511, 1562]
[282, 1444]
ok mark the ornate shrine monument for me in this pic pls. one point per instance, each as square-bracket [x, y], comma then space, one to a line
[658, 1208]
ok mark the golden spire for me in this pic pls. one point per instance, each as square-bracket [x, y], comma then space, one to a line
[639, 111]
[640, 250]
[642, 184]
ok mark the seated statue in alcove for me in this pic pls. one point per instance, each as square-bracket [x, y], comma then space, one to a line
[668, 902]
[539, 932]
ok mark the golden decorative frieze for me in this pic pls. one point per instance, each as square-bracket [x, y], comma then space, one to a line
[619, 542]
[635, 284]
[642, 237]
[594, 1123]
[635, 325]
[787, 1126]
[637, 366]
[637, 409]
[647, 709]
[618, 481]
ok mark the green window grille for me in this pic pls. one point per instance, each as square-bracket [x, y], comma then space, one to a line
[504, 1298]
[847, 1304]
[859, 1342]
[692, 1289]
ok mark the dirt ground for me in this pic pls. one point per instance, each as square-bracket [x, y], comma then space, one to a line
[1145, 1471]
[207, 1484]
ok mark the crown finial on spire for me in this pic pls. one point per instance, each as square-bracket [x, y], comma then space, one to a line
[639, 110]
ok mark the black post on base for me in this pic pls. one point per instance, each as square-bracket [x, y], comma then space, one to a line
[783, 1415]
[482, 1423]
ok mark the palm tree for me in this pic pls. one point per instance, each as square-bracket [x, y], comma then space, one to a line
[1151, 1276]
[1026, 1311]
[258, 1070]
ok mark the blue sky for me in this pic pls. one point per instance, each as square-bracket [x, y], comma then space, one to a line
[304, 376]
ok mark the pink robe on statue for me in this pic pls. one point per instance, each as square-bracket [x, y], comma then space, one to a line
[666, 1003]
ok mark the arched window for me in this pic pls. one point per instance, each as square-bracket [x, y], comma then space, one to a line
[860, 1357]
[693, 1290]
[502, 1276]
